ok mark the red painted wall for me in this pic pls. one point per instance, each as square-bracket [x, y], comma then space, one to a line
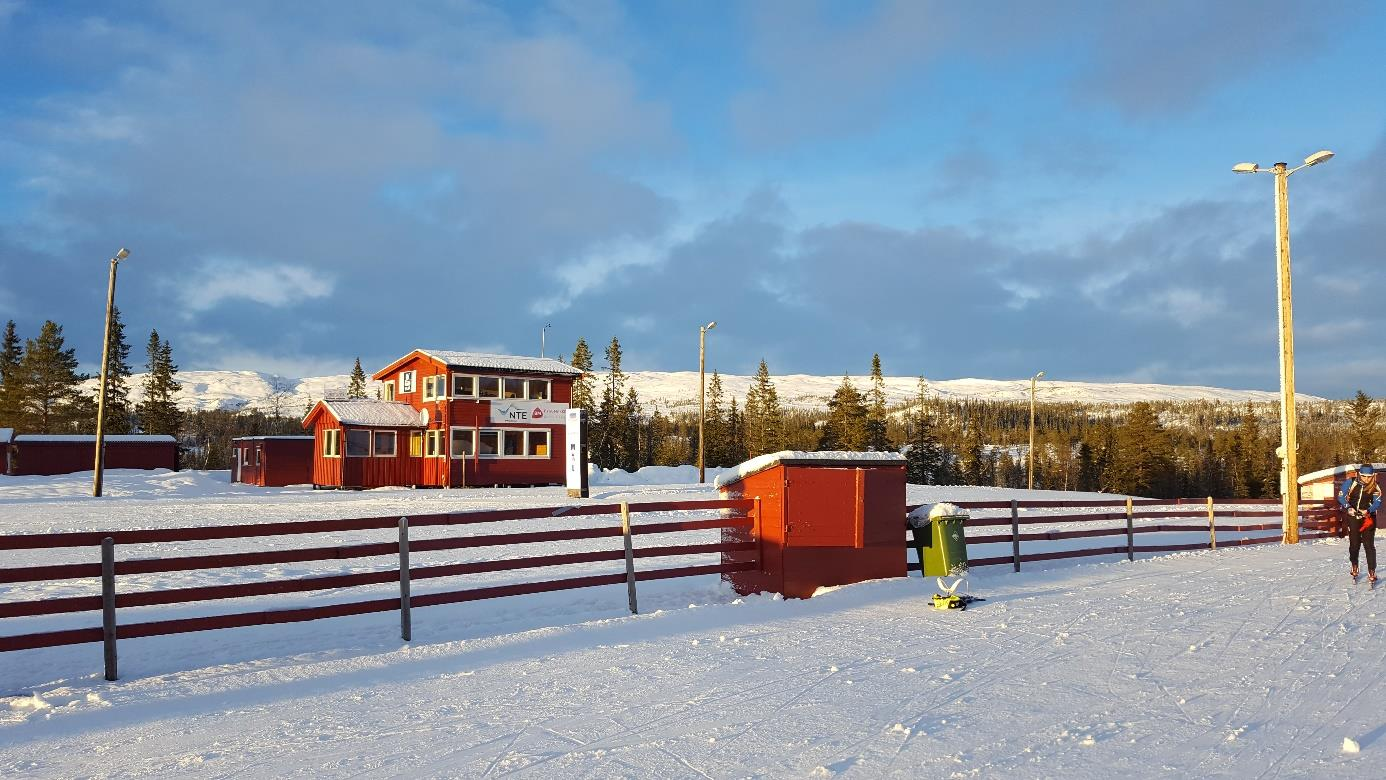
[48, 458]
[281, 461]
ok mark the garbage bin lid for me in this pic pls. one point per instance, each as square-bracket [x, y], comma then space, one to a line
[792, 458]
[921, 516]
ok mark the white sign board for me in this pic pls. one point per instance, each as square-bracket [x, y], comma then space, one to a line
[576, 463]
[527, 412]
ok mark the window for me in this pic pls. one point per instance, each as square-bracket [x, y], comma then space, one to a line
[488, 443]
[433, 444]
[358, 443]
[332, 443]
[463, 442]
[514, 443]
[245, 456]
[406, 381]
[463, 386]
[538, 390]
[387, 390]
[416, 444]
[257, 456]
[538, 446]
[384, 444]
[488, 387]
[514, 388]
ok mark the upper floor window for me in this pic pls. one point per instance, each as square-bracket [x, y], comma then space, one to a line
[387, 390]
[514, 388]
[435, 387]
[406, 381]
[463, 386]
[538, 390]
[488, 387]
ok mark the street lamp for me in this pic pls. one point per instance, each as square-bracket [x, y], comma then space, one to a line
[702, 408]
[1031, 471]
[1288, 450]
[543, 337]
[105, 365]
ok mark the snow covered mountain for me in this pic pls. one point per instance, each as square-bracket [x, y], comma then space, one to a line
[678, 390]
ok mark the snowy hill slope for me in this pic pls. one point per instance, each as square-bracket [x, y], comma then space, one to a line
[678, 390]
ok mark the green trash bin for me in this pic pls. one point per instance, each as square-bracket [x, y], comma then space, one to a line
[940, 541]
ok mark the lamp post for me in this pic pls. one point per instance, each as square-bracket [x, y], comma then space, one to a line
[543, 337]
[1288, 450]
[1030, 479]
[702, 407]
[105, 365]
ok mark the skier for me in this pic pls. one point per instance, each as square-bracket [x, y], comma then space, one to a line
[1361, 498]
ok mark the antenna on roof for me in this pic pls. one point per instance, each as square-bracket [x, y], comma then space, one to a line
[542, 334]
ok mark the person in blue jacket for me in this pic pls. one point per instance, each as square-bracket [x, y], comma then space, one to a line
[1360, 499]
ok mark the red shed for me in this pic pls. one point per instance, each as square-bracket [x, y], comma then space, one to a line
[69, 454]
[487, 419]
[272, 461]
[5, 435]
[826, 518]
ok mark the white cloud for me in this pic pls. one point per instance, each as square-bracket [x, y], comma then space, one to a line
[222, 279]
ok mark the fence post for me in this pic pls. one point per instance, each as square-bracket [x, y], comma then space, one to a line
[1015, 532]
[630, 558]
[1212, 526]
[406, 627]
[1130, 532]
[108, 605]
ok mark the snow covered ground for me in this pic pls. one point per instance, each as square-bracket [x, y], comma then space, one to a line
[1243, 662]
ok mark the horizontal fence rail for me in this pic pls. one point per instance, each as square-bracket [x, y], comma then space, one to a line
[708, 515]
[1319, 521]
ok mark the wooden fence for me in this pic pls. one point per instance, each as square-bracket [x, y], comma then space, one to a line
[728, 514]
[1316, 520]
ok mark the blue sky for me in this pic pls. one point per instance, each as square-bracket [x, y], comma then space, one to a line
[968, 189]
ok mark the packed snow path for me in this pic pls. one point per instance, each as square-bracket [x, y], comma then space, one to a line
[1253, 662]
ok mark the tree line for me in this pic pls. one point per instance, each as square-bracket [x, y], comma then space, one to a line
[1158, 449]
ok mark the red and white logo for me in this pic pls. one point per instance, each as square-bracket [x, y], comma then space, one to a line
[537, 414]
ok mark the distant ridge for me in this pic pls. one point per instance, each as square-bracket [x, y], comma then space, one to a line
[678, 390]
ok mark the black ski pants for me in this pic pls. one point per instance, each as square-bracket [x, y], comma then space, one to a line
[1357, 539]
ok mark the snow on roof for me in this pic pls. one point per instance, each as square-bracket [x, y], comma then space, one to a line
[263, 438]
[500, 362]
[6, 434]
[82, 438]
[1335, 472]
[792, 458]
[366, 411]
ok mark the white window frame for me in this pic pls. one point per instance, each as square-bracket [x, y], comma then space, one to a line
[375, 453]
[548, 389]
[430, 389]
[387, 390]
[524, 388]
[500, 388]
[257, 457]
[406, 381]
[434, 441]
[457, 455]
[332, 443]
[370, 438]
[456, 377]
[524, 443]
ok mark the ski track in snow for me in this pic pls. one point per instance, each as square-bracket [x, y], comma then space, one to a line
[1244, 662]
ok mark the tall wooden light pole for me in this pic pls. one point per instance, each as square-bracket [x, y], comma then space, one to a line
[1288, 450]
[702, 408]
[105, 366]
[1030, 480]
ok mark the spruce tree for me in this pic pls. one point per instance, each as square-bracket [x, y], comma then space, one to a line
[582, 386]
[632, 453]
[52, 401]
[876, 409]
[763, 415]
[714, 424]
[924, 460]
[1365, 420]
[736, 436]
[847, 417]
[356, 388]
[609, 428]
[158, 412]
[11, 382]
[1144, 463]
[120, 414]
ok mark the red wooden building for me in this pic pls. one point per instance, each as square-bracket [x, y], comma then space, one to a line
[36, 454]
[448, 419]
[5, 435]
[272, 461]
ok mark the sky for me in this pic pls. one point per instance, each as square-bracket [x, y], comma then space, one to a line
[968, 189]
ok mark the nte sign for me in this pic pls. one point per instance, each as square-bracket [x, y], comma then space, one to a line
[533, 412]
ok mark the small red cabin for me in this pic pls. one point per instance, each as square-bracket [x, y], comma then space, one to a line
[5, 435]
[46, 454]
[1325, 484]
[272, 461]
[459, 419]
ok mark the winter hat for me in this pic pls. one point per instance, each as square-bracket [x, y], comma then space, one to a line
[1366, 469]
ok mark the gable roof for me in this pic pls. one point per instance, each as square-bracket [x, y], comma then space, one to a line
[486, 361]
[369, 412]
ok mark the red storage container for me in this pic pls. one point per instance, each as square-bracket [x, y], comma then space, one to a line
[825, 518]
